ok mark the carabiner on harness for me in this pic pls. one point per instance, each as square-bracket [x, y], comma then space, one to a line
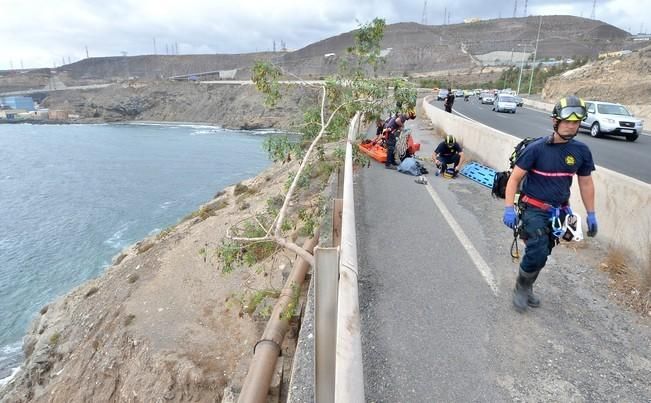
[557, 225]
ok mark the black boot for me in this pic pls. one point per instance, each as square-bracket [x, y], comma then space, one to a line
[532, 300]
[522, 289]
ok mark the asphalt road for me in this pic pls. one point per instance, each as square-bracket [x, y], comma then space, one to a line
[437, 328]
[615, 153]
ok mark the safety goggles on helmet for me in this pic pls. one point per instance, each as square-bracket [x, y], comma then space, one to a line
[572, 113]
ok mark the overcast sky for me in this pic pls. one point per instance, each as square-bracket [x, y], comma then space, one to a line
[45, 33]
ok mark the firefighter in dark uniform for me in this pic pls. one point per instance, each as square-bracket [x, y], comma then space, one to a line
[547, 167]
[448, 152]
[449, 101]
[391, 131]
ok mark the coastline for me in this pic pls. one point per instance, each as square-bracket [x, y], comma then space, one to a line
[112, 313]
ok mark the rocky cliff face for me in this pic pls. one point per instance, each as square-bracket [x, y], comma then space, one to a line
[229, 106]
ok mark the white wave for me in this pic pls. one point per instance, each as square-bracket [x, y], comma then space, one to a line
[116, 241]
[8, 379]
[11, 349]
[11, 353]
[165, 205]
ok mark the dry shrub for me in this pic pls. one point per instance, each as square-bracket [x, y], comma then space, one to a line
[632, 287]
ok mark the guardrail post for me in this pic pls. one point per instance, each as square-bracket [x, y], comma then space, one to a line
[326, 279]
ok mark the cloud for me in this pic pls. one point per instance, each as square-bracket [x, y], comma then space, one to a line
[43, 32]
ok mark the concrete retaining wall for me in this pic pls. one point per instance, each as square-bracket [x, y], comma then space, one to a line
[621, 201]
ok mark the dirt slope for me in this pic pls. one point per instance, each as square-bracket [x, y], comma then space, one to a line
[162, 324]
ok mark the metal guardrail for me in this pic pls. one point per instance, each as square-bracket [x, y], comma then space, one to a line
[339, 375]
[349, 371]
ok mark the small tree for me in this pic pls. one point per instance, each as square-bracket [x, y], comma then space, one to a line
[342, 95]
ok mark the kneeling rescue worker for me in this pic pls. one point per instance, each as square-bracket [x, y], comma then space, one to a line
[448, 152]
[547, 166]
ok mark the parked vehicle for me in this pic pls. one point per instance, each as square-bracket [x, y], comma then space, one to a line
[611, 118]
[504, 103]
[442, 95]
[458, 93]
[487, 98]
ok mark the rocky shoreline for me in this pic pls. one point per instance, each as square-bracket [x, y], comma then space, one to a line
[163, 322]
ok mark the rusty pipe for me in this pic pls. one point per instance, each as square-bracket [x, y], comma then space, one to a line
[267, 349]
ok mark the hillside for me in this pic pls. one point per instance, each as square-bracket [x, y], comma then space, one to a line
[410, 49]
[623, 79]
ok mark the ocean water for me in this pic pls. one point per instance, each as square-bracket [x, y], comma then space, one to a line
[73, 196]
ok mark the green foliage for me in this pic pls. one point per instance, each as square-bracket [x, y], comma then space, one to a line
[265, 77]
[274, 204]
[279, 148]
[54, 339]
[229, 254]
[405, 95]
[164, 233]
[309, 222]
[303, 182]
[288, 312]
[257, 297]
[510, 77]
[233, 254]
[367, 43]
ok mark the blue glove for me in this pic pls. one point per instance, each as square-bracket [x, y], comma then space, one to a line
[592, 224]
[510, 219]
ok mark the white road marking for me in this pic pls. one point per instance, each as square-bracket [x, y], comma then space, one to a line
[476, 258]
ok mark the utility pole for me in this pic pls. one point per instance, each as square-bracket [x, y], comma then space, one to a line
[594, 7]
[86, 51]
[449, 17]
[154, 45]
[423, 19]
[515, 8]
[521, 66]
[63, 60]
[11, 64]
[445, 15]
[274, 46]
[525, 7]
[535, 52]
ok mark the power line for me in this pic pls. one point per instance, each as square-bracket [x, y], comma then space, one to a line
[525, 7]
[594, 6]
[515, 8]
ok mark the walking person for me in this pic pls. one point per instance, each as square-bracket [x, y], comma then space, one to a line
[449, 101]
[547, 167]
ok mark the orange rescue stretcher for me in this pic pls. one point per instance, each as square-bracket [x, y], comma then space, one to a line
[379, 152]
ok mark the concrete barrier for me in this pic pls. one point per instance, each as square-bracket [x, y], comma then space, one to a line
[621, 201]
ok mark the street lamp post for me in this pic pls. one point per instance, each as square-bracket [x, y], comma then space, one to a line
[535, 53]
[521, 66]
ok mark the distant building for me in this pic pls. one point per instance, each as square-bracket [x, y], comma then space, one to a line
[471, 20]
[18, 102]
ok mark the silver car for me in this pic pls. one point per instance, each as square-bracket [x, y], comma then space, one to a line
[504, 103]
[610, 118]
